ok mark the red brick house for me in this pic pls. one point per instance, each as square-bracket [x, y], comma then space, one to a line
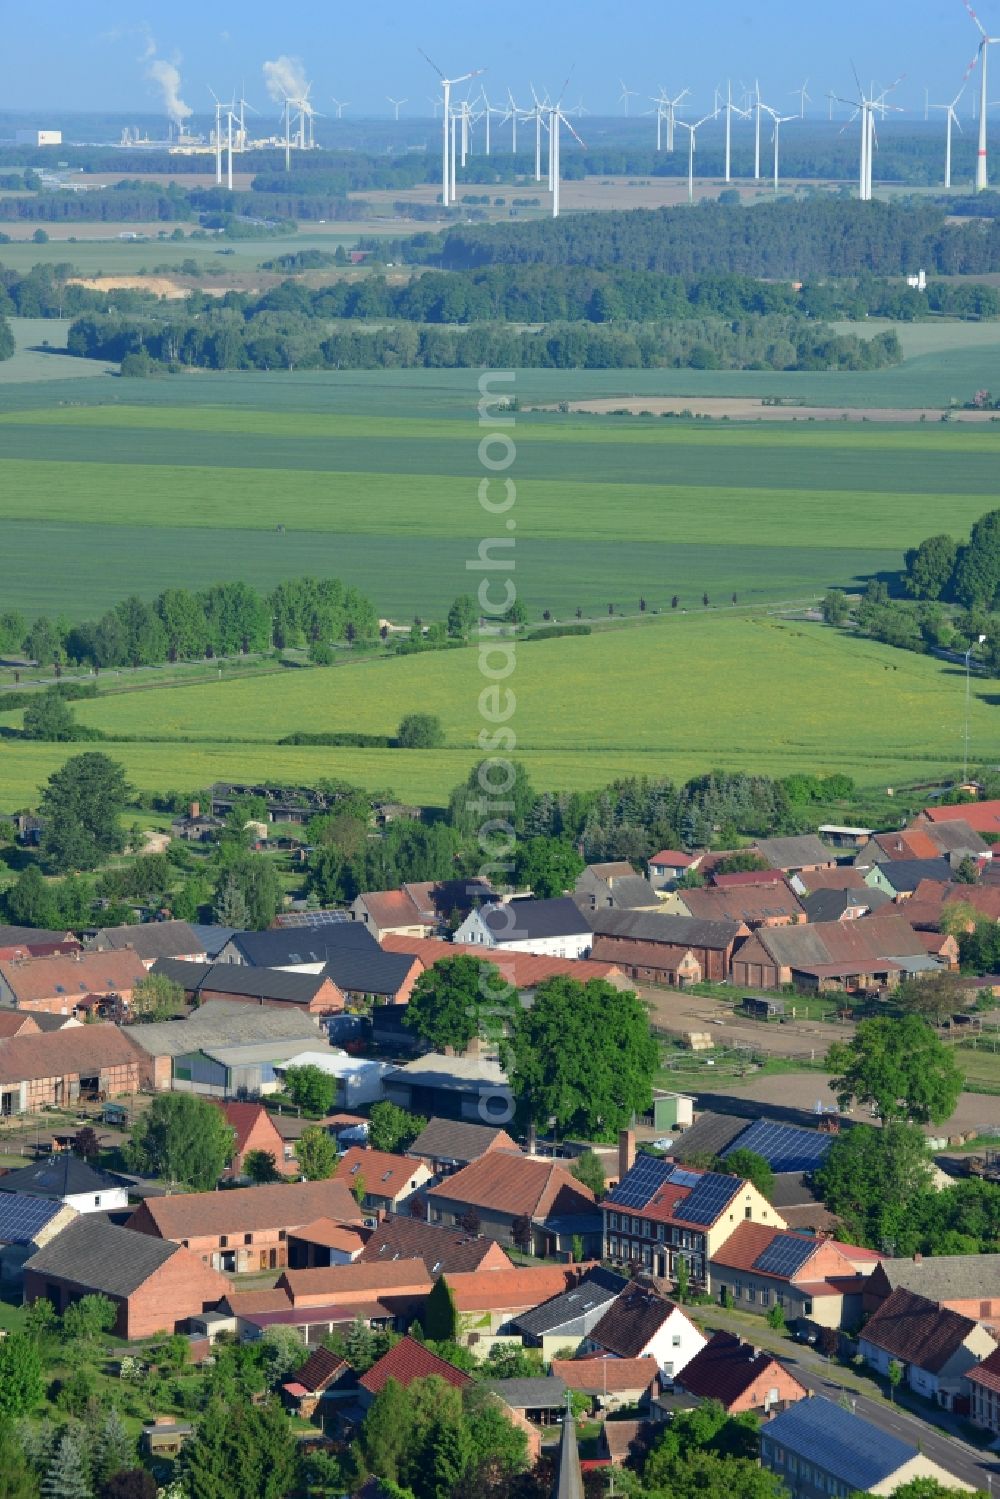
[507, 1193]
[627, 938]
[407, 1361]
[390, 1180]
[155, 1285]
[246, 1230]
[444, 1251]
[56, 984]
[741, 1377]
[255, 1131]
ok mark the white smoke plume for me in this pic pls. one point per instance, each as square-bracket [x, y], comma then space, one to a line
[169, 80]
[285, 79]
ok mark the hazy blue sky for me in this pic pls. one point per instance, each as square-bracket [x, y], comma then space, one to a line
[85, 54]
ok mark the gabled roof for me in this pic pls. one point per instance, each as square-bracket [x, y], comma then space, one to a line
[71, 977]
[672, 858]
[854, 1451]
[80, 1051]
[62, 1175]
[982, 817]
[384, 1175]
[917, 1331]
[516, 1186]
[581, 1304]
[675, 1194]
[151, 939]
[746, 903]
[632, 1321]
[525, 970]
[444, 1251]
[32, 936]
[244, 1118]
[94, 1253]
[907, 874]
[409, 1360]
[841, 877]
[726, 1368]
[457, 1141]
[677, 931]
[954, 836]
[794, 853]
[776, 1253]
[23, 1216]
[344, 1283]
[987, 1373]
[870, 940]
[538, 1392]
[830, 905]
[281, 1205]
[220, 1022]
[514, 1290]
[320, 1370]
[524, 920]
[595, 1376]
[369, 970]
[262, 983]
[945, 1277]
[296, 946]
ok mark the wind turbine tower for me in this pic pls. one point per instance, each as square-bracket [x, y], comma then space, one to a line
[395, 104]
[447, 84]
[986, 41]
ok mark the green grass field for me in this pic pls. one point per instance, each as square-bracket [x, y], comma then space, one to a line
[675, 696]
[608, 509]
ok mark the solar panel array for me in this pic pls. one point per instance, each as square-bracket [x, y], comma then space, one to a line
[785, 1255]
[709, 1198]
[312, 918]
[639, 1184]
[785, 1147]
[681, 1177]
[22, 1216]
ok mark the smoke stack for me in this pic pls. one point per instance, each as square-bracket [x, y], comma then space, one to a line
[626, 1151]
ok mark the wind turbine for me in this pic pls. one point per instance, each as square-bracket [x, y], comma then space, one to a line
[671, 107]
[557, 119]
[729, 107]
[951, 118]
[433, 101]
[241, 139]
[756, 107]
[537, 113]
[217, 138]
[692, 131]
[626, 94]
[396, 103]
[803, 98]
[779, 120]
[866, 105]
[341, 104]
[982, 168]
[447, 84]
[511, 115]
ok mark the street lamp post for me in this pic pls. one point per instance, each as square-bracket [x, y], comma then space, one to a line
[968, 698]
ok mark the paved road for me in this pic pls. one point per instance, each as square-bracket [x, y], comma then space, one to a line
[934, 1432]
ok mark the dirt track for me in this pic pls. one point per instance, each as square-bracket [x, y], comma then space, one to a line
[746, 408]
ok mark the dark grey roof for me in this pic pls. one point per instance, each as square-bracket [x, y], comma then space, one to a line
[94, 1253]
[952, 1277]
[543, 1392]
[791, 1189]
[63, 1175]
[677, 931]
[708, 1136]
[830, 905]
[263, 983]
[23, 1216]
[190, 976]
[854, 1451]
[906, 874]
[955, 837]
[50, 1022]
[454, 1140]
[152, 939]
[212, 939]
[520, 920]
[362, 969]
[221, 1022]
[574, 1312]
[25, 936]
[299, 945]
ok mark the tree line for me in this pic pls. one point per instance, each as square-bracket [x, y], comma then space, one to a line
[822, 236]
[227, 619]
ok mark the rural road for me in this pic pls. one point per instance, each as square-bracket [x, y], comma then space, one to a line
[932, 1430]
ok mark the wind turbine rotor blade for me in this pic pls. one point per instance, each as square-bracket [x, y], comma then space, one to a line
[433, 64]
[978, 22]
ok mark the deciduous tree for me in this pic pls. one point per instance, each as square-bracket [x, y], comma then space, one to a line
[183, 1139]
[316, 1154]
[898, 1066]
[81, 807]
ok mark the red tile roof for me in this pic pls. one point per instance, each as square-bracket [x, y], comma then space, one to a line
[982, 817]
[747, 877]
[77, 1050]
[409, 1360]
[70, 978]
[197, 1214]
[384, 1175]
[522, 969]
[516, 1186]
[595, 1376]
[320, 1370]
[726, 1368]
[672, 858]
[331, 1235]
[987, 1373]
[347, 1282]
[917, 1331]
[244, 1117]
[518, 1289]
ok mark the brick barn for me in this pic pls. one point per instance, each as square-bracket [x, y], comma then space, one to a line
[56, 1068]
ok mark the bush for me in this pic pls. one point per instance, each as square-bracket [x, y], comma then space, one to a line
[420, 731]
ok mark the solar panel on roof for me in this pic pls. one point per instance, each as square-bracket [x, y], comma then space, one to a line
[680, 1177]
[640, 1183]
[713, 1192]
[785, 1147]
[785, 1255]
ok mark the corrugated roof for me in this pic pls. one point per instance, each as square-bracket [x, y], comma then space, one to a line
[97, 1254]
[854, 1451]
[221, 1021]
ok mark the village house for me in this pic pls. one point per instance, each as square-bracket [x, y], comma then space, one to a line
[935, 1346]
[389, 1180]
[614, 887]
[322, 1380]
[518, 1199]
[751, 906]
[229, 983]
[446, 1145]
[610, 1383]
[444, 1251]
[741, 1377]
[254, 1131]
[565, 1320]
[151, 940]
[639, 1323]
[57, 984]
[65, 1178]
[58, 1068]
[551, 928]
[421, 908]
[899, 878]
[245, 1231]
[524, 971]
[982, 1391]
[407, 1361]
[966, 1283]
[759, 1267]
[34, 942]
[840, 877]
[816, 1447]
[803, 852]
[843, 905]
[982, 817]
[670, 949]
[668, 866]
[661, 1212]
[490, 1302]
[156, 1286]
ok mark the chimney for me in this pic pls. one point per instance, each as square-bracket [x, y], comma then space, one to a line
[195, 809]
[626, 1151]
[918, 1258]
